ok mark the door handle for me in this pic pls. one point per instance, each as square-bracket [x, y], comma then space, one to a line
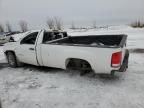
[31, 48]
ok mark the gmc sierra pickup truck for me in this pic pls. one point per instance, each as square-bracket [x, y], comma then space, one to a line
[97, 53]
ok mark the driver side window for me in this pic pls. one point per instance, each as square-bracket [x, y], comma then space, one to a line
[30, 39]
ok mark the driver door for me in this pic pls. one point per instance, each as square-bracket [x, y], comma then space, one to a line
[26, 51]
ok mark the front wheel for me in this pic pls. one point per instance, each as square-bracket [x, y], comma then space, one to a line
[11, 59]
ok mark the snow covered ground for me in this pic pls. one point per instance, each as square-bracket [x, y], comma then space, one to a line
[39, 87]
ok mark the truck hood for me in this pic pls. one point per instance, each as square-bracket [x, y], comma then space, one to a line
[10, 43]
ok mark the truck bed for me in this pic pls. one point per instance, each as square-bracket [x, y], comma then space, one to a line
[113, 41]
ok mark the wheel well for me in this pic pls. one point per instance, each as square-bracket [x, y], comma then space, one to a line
[9, 51]
[78, 64]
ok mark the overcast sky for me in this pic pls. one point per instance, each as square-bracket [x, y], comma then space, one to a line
[36, 12]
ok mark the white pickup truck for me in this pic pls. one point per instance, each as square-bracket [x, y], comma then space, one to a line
[97, 53]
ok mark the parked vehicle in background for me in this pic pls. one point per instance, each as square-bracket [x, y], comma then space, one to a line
[2, 38]
[6, 37]
[97, 53]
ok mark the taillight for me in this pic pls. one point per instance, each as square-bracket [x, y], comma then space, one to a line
[116, 59]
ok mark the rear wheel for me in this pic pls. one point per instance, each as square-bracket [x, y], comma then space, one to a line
[112, 73]
[79, 64]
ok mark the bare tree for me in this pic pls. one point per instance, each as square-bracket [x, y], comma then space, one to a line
[0, 104]
[94, 24]
[50, 23]
[73, 25]
[137, 24]
[23, 26]
[8, 27]
[1, 28]
[58, 23]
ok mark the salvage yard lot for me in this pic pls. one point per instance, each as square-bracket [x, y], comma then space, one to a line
[40, 87]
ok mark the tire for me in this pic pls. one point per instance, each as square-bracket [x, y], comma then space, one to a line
[112, 74]
[11, 59]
